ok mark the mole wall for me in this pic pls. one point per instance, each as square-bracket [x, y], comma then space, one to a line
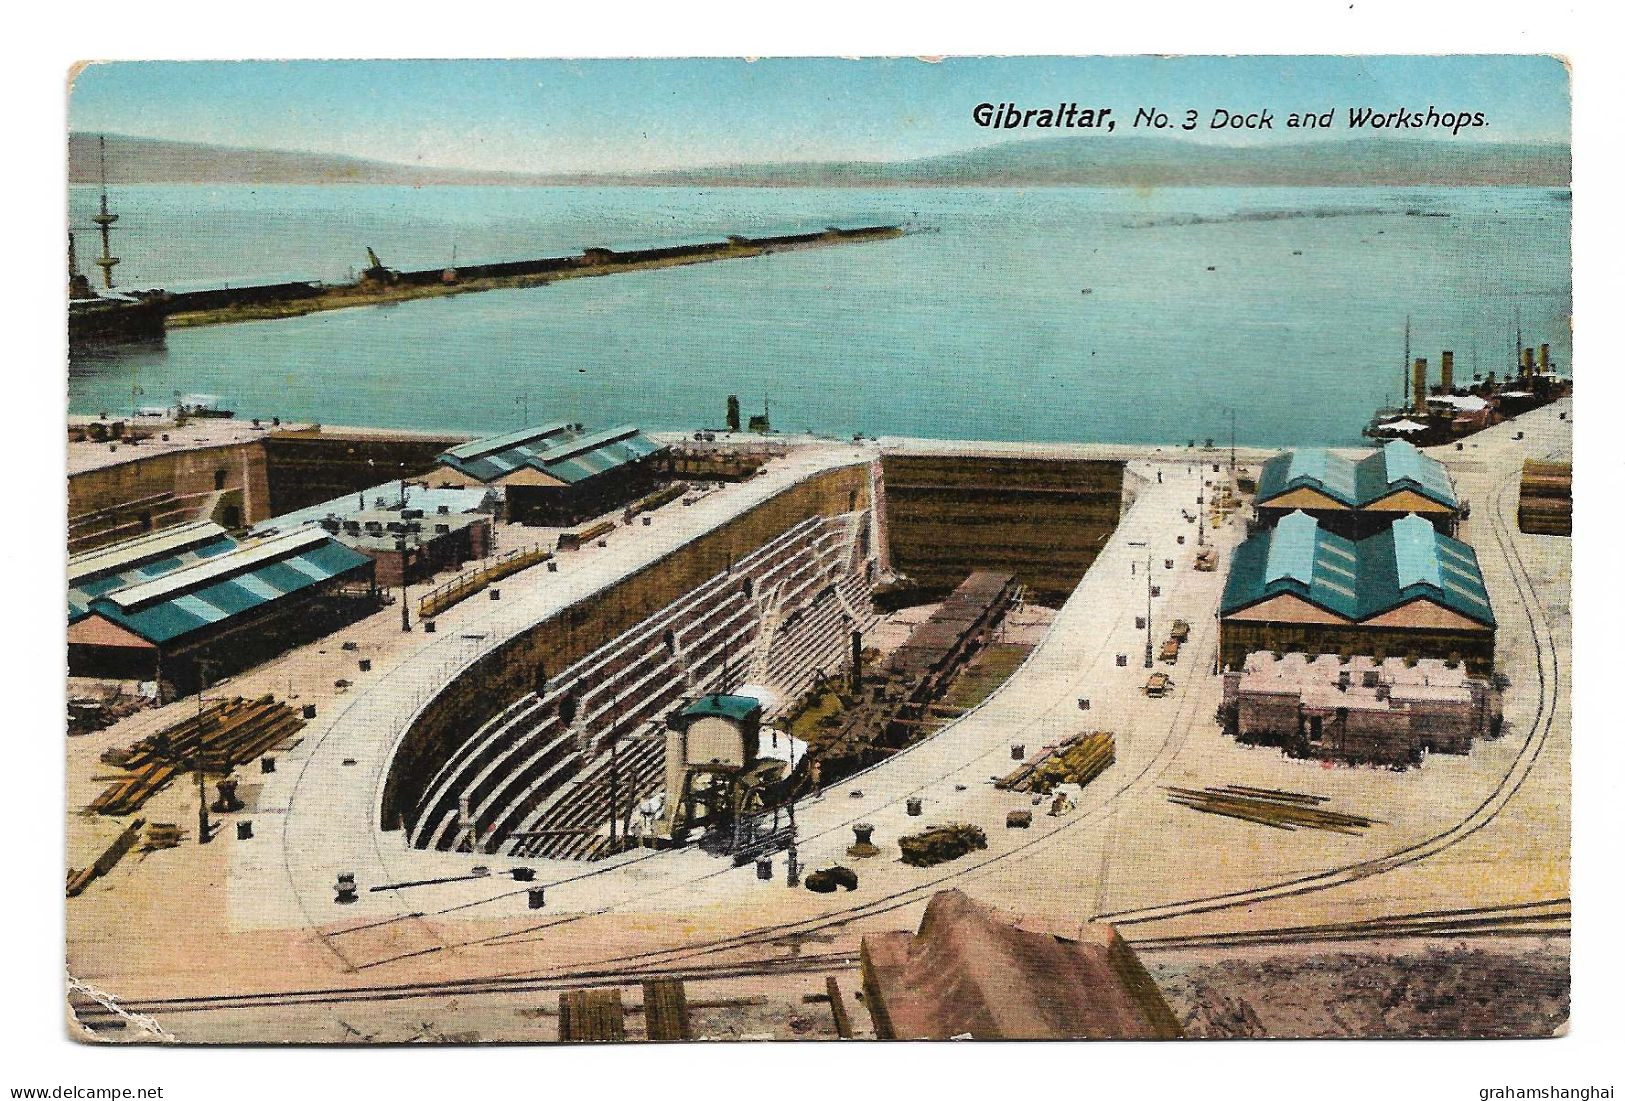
[309, 468]
[509, 670]
[1043, 520]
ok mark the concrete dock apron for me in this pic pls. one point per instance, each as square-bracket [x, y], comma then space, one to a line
[329, 807]
[330, 820]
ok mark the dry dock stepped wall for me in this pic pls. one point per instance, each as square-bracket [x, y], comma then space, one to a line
[509, 671]
[1043, 520]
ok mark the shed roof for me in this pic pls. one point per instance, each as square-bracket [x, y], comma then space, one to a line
[555, 452]
[1404, 562]
[110, 569]
[248, 577]
[1355, 483]
[488, 459]
[719, 705]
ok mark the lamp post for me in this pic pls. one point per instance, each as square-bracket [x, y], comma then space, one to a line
[197, 758]
[1148, 610]
[400, 542]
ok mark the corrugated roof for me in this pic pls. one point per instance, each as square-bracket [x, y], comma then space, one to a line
[570, 460]
[490, 445]
[1410, 559]
[1398, 464]
[157, 544]
[111, 569]
[236, 583]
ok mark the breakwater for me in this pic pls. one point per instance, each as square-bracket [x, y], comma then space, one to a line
[380, 284]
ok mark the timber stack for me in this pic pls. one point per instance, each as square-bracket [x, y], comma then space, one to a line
[1546, 498]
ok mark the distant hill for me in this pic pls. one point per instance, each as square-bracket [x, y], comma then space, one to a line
[1043, 162]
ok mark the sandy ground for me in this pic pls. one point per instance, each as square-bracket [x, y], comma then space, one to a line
[1492, 827]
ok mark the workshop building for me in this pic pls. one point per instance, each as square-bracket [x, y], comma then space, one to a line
[1407, 591]
[409, 538]
[1356, 498]
[554, 475]
[231, 610]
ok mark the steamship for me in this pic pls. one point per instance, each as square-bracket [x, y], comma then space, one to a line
[109, 317]
[1433, 415]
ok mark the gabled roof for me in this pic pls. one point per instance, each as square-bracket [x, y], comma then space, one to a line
[490, 458]
[580, 459]
[1409, 560]
[1356, 483]
[247, 577]
[554, 451]
[1399, 465]
[109, 569]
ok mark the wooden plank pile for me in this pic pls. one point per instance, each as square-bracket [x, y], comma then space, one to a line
[225, 735]
[940, 844]
[575, 540]
[1076, 760]
[591, 1016]
[79, 879]
[1546, 498]
[656, 499]
[1282, 810]
[665, 1010]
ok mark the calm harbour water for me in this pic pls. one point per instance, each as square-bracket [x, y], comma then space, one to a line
[977, 327]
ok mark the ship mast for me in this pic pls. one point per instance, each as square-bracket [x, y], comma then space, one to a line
[106, 261]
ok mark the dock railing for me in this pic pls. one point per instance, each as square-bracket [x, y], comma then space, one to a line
[465, 585]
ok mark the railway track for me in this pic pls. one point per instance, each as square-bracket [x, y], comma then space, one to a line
[1544, 919]
[564, 980]
[1547, 672]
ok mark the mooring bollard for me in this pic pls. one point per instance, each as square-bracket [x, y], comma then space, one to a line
[267, 764]
[1122, 660]
[1139, 623]
[225, 797]
[496, 594]
[552, 567]
[1018, 751]
[792, 869]
[764, 867]
[365, 665]
[428, 626]
[345, 888]
[915, 807]
[523, 875]
[535, 897]
[245, 830]
[863, 844]
[308, 711]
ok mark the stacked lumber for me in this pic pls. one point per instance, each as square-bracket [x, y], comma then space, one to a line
[162, 835]
[1076, 760]
[221, 737]
[593, 1015]
[1282, 810]
[1546, 498]
[655, 500]
[79, 879]
[575, 540]
[940, 844]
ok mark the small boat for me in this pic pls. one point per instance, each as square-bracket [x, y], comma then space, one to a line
[201, 406]
[1212, 267]
[1297, 252]
[1087, 290]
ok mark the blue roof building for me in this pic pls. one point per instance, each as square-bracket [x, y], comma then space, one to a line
[1406, 590]
[1357, 497]
[555, 474]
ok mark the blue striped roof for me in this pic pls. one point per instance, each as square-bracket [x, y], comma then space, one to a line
[1356, 483]
[225, 592]
[490, 458]
[1406, 561]
[134, 567]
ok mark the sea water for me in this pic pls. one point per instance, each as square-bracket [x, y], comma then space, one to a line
[1056, 314]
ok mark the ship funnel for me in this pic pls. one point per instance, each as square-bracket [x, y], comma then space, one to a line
[1528, 363]
[1447, 371]
[1419, 384]
[1545, 359]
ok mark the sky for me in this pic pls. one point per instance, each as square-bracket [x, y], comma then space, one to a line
[570, 116]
